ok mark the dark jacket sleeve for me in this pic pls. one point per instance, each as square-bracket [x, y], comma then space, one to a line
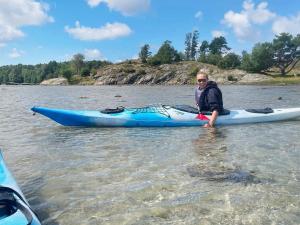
[213, 97]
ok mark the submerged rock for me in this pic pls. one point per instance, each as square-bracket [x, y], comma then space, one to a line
[229, 175]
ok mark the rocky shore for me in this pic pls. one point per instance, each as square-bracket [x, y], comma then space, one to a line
[135, 73]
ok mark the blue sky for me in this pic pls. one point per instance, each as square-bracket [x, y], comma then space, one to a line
[33, 31]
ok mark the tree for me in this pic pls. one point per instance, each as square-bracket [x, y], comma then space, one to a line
[166, 54]
[260, 60]
[78, 61]
[213, 59]
[50, 70]
[230, 61]
[144, 53]
[286, 52]
[246, 63]
[204, 47]
[262, 57]
[194, 44]
[85, 72]
[67, 74]
[218, 46]
[188, 46]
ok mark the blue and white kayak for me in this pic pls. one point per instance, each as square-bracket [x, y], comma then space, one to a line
[14, 209]
[161, 116]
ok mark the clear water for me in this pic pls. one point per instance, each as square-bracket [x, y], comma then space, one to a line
[244, 174]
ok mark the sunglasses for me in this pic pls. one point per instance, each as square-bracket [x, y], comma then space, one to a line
[202, 80]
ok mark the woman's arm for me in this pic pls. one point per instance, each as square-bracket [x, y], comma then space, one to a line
[213, 119]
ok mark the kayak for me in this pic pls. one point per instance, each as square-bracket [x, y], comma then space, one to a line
[14, 209]
[162, 116]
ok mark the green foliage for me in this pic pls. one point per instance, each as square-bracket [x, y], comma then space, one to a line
[144, 53]
[194, 44]
[230, 61]
[34, 74]
[85, 72]
[78, 61]
[188, 47]
[204, 48]
[213, 59]
[166, 54]
[246, 63]
[193, 71]
[260, 60]
[127, 68]
[154, 61]
[191, 43]
[231, 78]
[218, 46]
[286, 52]
[262, 56]
[67, 74]
[202, 58]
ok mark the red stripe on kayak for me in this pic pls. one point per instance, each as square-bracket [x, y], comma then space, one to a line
[202, 117]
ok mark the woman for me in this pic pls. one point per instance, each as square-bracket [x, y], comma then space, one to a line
[208, 97]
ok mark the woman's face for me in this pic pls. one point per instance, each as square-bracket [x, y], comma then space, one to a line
[202, 80]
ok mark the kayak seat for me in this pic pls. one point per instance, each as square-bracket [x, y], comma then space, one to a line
[264, 111]
[111, 111]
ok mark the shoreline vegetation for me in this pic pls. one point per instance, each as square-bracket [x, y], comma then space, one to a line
[133, 72]
[269, 63]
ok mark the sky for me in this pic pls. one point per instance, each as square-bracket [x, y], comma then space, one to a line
[33, 31]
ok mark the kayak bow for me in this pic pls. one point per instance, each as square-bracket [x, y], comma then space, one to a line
[14, 209]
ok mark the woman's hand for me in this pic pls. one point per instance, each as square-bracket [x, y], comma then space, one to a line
[208, 125]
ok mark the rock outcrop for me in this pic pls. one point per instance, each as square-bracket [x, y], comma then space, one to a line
[136, 73]
[133, 72]
[55, 81]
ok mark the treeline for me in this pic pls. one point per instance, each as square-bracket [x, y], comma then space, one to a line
[34, 74]
[282, 53]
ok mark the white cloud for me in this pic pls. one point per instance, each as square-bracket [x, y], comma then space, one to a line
[127, 8]
[93, 3]
[289, 25]
[218, 33]
[260, 15]
[15, 53]
[15, 14]
[109, 31]
[198, 15]
[93, 54]
[243, 23]
[2, 44]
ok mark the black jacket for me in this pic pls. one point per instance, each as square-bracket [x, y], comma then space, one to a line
[211, 98]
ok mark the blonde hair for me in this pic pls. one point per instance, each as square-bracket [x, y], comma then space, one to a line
[203, 72]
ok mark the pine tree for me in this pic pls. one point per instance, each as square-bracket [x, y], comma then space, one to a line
[194, 44]
[144, 53]
[188, 46]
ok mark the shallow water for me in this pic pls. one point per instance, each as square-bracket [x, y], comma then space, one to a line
[244, 174]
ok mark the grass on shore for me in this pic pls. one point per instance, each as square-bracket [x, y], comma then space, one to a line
[283, 80]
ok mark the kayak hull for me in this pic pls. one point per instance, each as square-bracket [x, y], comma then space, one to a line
[159, 116]
[7, 181]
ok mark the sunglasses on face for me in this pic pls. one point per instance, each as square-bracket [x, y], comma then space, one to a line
[202, 80]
